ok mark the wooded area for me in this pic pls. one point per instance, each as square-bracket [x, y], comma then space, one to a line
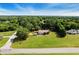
[58, 24]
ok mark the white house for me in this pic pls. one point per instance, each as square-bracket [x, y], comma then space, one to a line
[42, 32]
[72, 31]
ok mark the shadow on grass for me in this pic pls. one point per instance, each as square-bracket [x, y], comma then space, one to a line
[60, 35]
[17, 39]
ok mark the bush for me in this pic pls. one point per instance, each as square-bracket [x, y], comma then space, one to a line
[22, 33]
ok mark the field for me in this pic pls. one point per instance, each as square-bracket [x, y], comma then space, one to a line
[6, 36]
[48, 41]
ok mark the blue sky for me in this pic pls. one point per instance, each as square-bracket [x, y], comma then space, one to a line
[55, 9]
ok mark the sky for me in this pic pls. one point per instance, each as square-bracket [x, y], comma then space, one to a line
[49, 9]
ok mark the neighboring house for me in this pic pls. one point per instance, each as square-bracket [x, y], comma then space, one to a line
[72, 31]
[42, 32]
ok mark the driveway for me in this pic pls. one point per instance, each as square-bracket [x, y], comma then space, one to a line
[9, 42]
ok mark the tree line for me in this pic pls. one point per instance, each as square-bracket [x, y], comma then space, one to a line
[59, 24]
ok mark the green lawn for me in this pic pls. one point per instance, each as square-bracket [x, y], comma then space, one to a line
[8, 33]
[48, 41]
[5, 37]
[3, 41]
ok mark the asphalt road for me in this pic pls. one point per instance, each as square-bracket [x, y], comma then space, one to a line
[40, 50]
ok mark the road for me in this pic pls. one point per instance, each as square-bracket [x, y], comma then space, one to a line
[40, 50]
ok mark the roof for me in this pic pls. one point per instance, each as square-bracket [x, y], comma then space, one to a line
[72, 31]
[43, 30]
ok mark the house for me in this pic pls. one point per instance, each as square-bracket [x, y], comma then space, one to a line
[72, 31]
[42, 32]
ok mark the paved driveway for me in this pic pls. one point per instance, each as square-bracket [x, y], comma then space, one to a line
[7, 45]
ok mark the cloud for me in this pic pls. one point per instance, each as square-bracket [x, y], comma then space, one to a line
[66, 10]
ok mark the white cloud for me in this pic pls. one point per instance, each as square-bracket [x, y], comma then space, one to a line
[30, 11]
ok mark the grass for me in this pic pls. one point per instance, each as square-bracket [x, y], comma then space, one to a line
[5, 37]
[48, 41]
[8, 33]
[3, 41]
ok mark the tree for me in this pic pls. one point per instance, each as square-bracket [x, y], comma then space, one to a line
[73, 25]
[22, 21]
[60, 30]
[22, 33]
